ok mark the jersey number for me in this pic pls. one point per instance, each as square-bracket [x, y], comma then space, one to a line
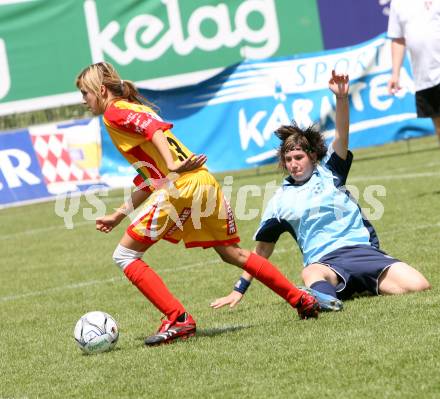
[181, 155]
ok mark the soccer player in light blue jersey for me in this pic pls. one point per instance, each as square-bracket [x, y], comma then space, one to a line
[339, 245]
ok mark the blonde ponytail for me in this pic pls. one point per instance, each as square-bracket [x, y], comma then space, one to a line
[103, 73]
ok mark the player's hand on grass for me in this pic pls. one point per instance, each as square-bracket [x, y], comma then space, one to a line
[191, 163]
[232, 299]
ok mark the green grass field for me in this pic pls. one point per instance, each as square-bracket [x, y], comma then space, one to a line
[377, 347]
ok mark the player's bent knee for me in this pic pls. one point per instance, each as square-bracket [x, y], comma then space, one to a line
[124, 256]
[401, 278]
[414, 281]
[421, 284]
[306, 274]
[316, 272]
[416, 284]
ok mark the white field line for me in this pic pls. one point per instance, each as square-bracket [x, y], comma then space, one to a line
[112, 280]
[42, 230]
[171, 269]
[96, 282]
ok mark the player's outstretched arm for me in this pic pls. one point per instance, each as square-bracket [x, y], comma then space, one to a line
[263, 249]
[236, 294]
[107, 223]
[339, 85]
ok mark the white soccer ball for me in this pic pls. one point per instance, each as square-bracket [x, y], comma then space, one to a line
[96, 332]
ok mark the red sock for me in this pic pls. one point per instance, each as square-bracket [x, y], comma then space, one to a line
[269, 275]
[152, 286]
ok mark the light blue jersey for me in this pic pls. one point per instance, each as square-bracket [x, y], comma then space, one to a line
[319, 214]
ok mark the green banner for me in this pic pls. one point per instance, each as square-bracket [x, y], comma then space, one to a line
[157, 43]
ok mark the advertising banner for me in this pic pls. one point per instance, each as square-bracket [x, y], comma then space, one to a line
[231, 117]
[68, 153]
[47, 160]
[160, 44]
[347, 22]
[20, 174]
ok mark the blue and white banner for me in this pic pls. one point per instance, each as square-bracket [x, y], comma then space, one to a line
[46, 160]
[232, 116]
[20, 174]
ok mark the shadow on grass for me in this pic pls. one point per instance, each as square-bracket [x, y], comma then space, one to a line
[117, 349]
[420, 195]
[210, 332]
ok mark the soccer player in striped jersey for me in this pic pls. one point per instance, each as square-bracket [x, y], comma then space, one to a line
[174, 185]
[340, 248]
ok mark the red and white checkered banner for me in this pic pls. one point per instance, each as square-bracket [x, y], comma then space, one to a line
[68, 154]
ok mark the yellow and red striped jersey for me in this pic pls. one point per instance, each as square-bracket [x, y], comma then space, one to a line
[131, 127]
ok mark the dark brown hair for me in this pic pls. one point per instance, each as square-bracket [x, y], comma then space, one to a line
[309, 140]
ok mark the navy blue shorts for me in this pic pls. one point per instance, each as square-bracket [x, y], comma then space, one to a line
[359, 268]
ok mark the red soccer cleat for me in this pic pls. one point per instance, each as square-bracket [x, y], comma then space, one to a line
[170, 331]
[307, 306]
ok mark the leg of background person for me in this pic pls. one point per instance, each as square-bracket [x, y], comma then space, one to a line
[436, 121]
[149, 283]
[401, 278]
